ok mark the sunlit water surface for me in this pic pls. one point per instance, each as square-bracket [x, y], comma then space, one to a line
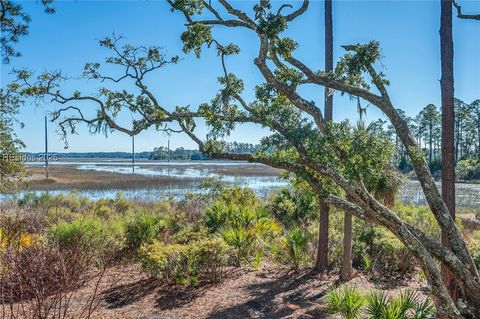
[468, 195]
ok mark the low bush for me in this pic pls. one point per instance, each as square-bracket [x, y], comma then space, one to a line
[239, 196]
[346, 301]
[142, 227]
[41, 280]
[73, 201]
[407, 305]
[246, 229]
[292, 248]
[376, 249]
[94, 234]
[17, 233]
[185, 264]
[107, 208]
[350, 304]
[473, 241]
[293, 206]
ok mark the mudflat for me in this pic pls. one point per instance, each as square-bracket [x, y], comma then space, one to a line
[71, 176]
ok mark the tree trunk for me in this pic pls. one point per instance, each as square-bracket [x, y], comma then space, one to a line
[346, 272]
[322, 251]
[478, 137]
[457, 143]
[430, 142]
[448, 127]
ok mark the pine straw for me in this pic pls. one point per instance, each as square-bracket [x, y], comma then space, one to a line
[271, 292]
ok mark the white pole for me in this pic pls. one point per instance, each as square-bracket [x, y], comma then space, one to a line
[133, 153]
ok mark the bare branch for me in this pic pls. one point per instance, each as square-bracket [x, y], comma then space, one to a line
[465, 16]
[298, 12]
[239, 14]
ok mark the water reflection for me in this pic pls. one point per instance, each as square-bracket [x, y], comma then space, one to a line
[253, 181]
[147, 163]
[143, 194]
[467, 195]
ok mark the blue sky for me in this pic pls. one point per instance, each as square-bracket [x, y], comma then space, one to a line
[407, 31]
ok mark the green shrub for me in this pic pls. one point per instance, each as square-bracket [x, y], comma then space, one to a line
[120, 204]
[163, 261]
[185, 264]
[102, 209]
[216, 190]
[72, 201]
[142, 227]
[349, 303]
[346, 301]
[212, 257]
[91, 232]
[106, 208]
[407, 305]
[246, 229]
[292, 248]
[385, 253]
[392, 256]
[173, 219]
[188, 233]
[473, 242]
[435, 165]
[293, 206]
[235, 195]
[217, 216]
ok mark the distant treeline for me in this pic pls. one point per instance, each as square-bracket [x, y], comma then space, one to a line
[159, 153]
[119, 155]
[426, 127]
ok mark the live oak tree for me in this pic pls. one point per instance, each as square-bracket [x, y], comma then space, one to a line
[14, 24]
[11, 165]
[342, 165]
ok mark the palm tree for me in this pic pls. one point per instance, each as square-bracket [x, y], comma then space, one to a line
[385, 189]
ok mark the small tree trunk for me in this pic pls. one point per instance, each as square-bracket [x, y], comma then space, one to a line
[478, 138]
[448, 127]
[346, 272]
[430, 142]
[322, 251]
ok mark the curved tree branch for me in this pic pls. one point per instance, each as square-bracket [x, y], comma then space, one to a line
[465, 16]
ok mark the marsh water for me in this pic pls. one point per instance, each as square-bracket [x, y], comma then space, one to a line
[250, 175]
